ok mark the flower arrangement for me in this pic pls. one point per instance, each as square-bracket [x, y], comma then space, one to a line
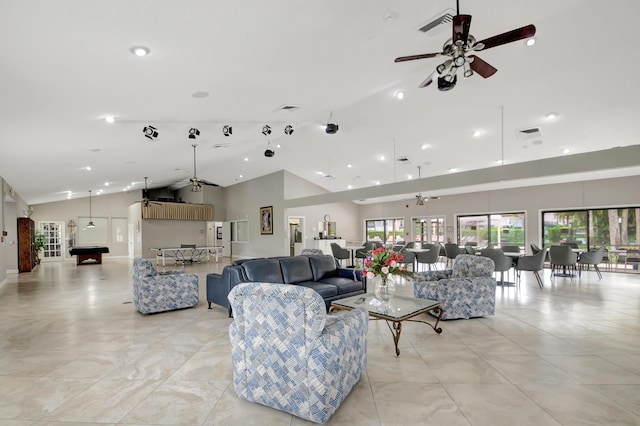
[382, 262]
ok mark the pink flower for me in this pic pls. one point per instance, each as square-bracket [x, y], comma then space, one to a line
[393, 263]
[384, 270]
[370, 275]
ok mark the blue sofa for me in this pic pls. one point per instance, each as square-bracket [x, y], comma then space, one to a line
[321, 273]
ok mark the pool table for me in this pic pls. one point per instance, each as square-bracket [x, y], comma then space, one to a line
[89, 254]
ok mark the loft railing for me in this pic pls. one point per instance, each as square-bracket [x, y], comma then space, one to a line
[177, 211]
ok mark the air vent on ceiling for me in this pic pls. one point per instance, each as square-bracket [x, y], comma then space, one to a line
[529, 134]
[403, 160]
[222, 145]
[287, 108]
[444, 17]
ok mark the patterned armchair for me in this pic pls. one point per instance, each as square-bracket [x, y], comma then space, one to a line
[155, 291]
[468, 290]
[289, 355]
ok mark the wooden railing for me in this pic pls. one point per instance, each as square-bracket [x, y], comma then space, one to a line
[177, 211]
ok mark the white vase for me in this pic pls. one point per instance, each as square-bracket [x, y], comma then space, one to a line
[385, 287]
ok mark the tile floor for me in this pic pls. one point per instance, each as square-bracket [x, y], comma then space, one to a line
[74, 351]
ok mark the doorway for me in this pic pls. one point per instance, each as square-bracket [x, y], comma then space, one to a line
[296, 235]
[429, 229]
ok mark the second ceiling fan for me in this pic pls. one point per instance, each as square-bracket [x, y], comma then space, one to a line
[196, 182]
[460, 48]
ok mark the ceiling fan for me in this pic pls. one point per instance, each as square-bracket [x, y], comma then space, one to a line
[421, 199]
[196, 182]
[460, 48]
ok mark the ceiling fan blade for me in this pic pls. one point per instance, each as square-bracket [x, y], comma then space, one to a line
[461, 25]
[205, 182]
[508, 37]
[481, 67]
[427, 81]
[414, 57]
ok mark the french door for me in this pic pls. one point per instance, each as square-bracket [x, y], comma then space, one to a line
[54, 246]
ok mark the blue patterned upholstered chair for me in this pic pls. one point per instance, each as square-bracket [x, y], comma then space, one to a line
[466, 291]
[289, 355]
[155, 291]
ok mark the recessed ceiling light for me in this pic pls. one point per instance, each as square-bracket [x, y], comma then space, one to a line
[88, 168]
[409, 177]
[499, 162]
[140, 50]
[349, 165]
[453, 169]
[278, 145]
[377, 182]
[531, 41]
[400, 95]
[551, 116]
[566, 151]
[246, 158]
[240, 176]
[381, 158]
[425, 146]
[318, 172]
[349, 186]
[477, 133]
[106, 184]
[109, 119]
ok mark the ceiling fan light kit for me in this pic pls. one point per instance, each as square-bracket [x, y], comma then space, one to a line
[459, 49]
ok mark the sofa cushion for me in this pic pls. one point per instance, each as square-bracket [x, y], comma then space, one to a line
[344, 285]
[296, 269]
[323, 267]
[324, 290]
[263, 270]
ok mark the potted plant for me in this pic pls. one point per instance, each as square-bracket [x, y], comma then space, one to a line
[39, 242]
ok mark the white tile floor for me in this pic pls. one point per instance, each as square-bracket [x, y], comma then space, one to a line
[73, 350]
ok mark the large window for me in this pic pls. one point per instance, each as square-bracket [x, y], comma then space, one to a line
[589, 229]
[492, 230]
[386, 231]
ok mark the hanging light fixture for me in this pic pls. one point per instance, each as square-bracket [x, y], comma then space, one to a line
[90, 224]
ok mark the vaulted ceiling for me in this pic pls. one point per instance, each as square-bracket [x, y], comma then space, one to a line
[65, 65]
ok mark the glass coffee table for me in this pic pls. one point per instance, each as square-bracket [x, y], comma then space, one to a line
[394, 312]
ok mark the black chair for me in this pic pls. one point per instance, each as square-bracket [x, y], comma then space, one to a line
[368, 247]
[534, 263]
[340, 253]
[592, 257]
[409, 258]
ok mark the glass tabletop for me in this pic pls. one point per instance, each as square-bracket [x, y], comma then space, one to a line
[397, 309]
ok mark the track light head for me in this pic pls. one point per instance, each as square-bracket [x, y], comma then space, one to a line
[227, 130]
[150, 132]
[331, 128]
[266, 130]
[193, 133]
[288, 130]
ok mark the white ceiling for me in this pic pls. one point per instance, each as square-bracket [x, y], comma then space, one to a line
[64, 65]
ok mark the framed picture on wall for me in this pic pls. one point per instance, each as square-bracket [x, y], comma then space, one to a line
[218, 232]
[266, 220]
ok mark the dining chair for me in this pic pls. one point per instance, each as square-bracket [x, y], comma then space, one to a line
[592, 257]
[452, 251]
[429, 257]
[562, 256]
[533, 263]
[503, 263]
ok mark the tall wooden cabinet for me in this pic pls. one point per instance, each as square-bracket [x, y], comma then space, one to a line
[26, 244]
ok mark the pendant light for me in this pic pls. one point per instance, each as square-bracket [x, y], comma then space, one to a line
[90, 224]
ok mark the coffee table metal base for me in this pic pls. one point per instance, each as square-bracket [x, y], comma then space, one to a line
[395, 312]
[396, 327]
